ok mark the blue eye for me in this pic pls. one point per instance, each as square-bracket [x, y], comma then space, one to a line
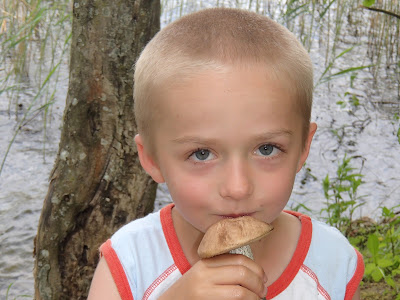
[201, 154]
[267, 150]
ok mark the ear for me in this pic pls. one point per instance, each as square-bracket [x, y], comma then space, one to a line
[306, 150]
[147, 161]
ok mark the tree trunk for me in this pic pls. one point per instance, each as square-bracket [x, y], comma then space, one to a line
[97, 184]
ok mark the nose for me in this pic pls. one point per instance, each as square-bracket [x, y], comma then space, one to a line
[236, 183]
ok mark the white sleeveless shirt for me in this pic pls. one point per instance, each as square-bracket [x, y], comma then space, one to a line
[145, 258]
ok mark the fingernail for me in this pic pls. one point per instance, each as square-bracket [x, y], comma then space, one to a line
[265, 278]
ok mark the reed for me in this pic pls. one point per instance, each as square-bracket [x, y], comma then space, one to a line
[34, 41]
[17, 297]
[383, 41]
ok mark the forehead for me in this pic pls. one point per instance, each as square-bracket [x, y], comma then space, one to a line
[233, 99]
[221, 86]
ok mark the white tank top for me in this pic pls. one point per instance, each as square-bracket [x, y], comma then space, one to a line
[145, 259]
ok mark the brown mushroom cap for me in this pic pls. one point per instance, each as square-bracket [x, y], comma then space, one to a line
[229, 234]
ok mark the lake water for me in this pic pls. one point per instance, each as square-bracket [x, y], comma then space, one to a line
[366, 132]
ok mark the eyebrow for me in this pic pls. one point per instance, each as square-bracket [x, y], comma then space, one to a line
[195, 140]
[263, 136]
[274, 134]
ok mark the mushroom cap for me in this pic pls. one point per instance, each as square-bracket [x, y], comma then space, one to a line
[232, 233]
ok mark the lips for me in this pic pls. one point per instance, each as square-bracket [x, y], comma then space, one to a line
[232, 216]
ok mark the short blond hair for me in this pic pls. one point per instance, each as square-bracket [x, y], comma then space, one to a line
[211, 39]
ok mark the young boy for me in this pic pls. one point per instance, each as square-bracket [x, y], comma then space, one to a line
[223, 102]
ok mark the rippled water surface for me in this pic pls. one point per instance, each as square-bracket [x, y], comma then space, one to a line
[367, 132]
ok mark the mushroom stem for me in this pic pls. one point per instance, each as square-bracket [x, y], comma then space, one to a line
[244, 250]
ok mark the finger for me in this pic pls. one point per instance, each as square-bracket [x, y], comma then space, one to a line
[236, 259]
[238, 275]
[231, 292]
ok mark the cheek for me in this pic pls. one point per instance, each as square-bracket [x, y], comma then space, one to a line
[193, 191]
[193, 197]
[285, 185]
[190, 203]
[186, 188]
[276, 191]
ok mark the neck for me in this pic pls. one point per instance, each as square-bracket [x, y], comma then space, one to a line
[276, 250]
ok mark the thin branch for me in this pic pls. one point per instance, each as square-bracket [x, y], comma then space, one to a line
[390, 13]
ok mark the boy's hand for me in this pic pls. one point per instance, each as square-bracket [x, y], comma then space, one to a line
[226, 276]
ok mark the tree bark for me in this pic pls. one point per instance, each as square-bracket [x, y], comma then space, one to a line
[97, 184]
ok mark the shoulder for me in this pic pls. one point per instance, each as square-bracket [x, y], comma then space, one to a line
[141, 241]
[326, 248]
[326, 236]
[323, 241]
[335, 261]
[137, 254]
[328, 243]
[137, 228]
[103, 285]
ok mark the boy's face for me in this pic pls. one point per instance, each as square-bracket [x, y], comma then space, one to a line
[228, 145]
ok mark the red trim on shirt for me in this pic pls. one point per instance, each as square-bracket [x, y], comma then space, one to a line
[298, 257]
[158, 281]
[314, 277]
[117, 271]
[172, 239]
[354, 282]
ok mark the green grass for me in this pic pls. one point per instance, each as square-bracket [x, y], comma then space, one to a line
[379, 242]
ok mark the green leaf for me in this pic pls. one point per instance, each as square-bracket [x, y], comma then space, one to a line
[300, 205]
[342, 72]
[386, 212]
[389, 280]
[377, 274]
[325, 184]
[319, 81]
[396, 272]
[354, 100]
[373, 245]
[355, 240]
[369, 267]
[384, 262]
[368, 3]
[321, 15]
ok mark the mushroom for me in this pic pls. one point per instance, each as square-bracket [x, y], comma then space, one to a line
[233, 235]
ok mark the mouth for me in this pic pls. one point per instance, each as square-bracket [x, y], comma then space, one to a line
[232, 216]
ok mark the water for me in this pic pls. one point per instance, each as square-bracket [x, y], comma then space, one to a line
[23, 186]
[367, 132]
